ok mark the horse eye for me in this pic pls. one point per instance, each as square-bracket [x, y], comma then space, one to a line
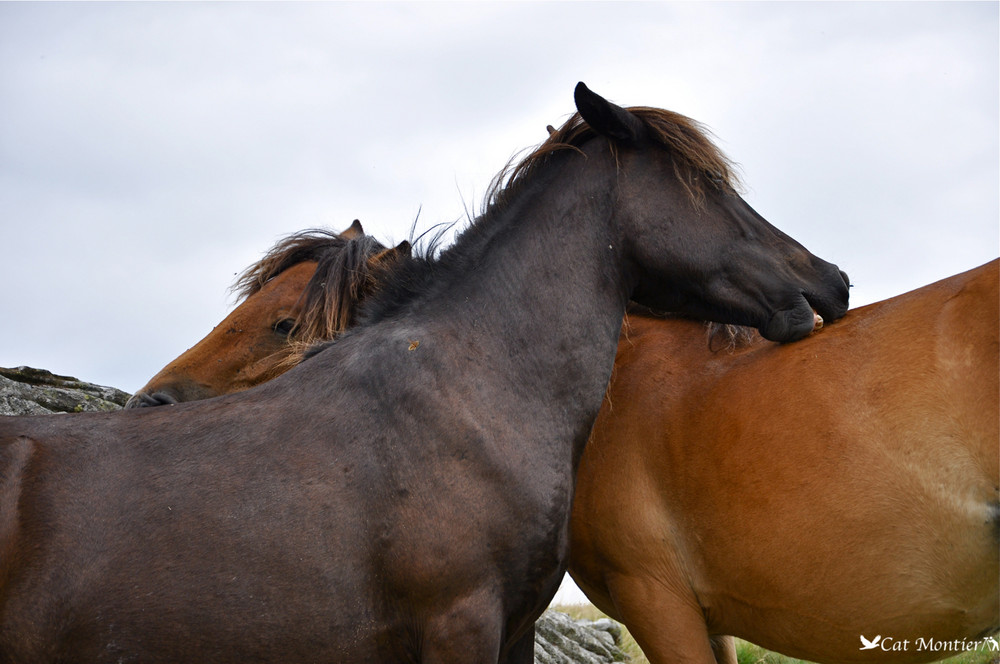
[285, 326]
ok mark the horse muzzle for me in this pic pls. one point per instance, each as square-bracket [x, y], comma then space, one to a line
[809, 311]
[144, 400]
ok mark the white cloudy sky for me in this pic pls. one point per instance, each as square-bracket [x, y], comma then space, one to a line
[148, 151]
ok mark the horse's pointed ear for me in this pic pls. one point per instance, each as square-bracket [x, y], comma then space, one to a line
[354, 232]
[404, 248]
[606, 118]
[401, 250]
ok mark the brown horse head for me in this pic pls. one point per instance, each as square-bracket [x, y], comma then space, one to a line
[307, 288]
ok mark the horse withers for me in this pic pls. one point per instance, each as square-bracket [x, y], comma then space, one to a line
[393, 498]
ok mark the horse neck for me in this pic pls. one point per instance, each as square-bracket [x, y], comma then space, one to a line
[551, 258]
[534, 295]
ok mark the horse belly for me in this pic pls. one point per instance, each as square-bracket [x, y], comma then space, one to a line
[171, 568]
[178, 609]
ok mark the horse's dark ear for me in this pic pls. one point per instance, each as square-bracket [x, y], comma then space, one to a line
[401, 250]
[606, 118]
[354, 232]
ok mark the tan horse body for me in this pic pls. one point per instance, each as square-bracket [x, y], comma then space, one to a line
[802, 496]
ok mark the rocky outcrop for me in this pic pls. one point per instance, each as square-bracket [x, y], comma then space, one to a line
[561, 640]
[27, 391]
[558, 638]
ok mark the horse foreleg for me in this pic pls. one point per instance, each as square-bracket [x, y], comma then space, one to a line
[468, 632]
[724, 648]
[668, 627]
[523, 651]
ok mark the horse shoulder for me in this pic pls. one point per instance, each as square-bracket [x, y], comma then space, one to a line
[635, 531]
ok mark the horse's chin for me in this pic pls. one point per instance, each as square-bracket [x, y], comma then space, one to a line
[791, 324]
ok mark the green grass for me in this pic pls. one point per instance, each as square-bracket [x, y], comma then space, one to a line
[746, 653]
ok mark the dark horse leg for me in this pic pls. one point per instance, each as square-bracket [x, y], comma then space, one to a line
[466, 633]
[522, 652]
[461, 642]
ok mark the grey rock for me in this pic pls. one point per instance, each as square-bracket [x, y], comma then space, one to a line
[28, 391]
[561, 640]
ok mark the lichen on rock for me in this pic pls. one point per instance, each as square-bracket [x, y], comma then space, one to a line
[30, 391]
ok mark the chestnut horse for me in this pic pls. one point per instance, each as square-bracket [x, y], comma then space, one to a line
[307, 288]
[403, 494]
[670, 389]
[802, 496]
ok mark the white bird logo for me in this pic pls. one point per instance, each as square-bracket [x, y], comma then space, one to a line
[868, 645]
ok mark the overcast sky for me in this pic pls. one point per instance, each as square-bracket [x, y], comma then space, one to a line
[149, 152]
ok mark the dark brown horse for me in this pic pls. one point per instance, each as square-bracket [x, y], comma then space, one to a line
[674, 392]
[307, 288]
[806, 495]
[404, 494]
